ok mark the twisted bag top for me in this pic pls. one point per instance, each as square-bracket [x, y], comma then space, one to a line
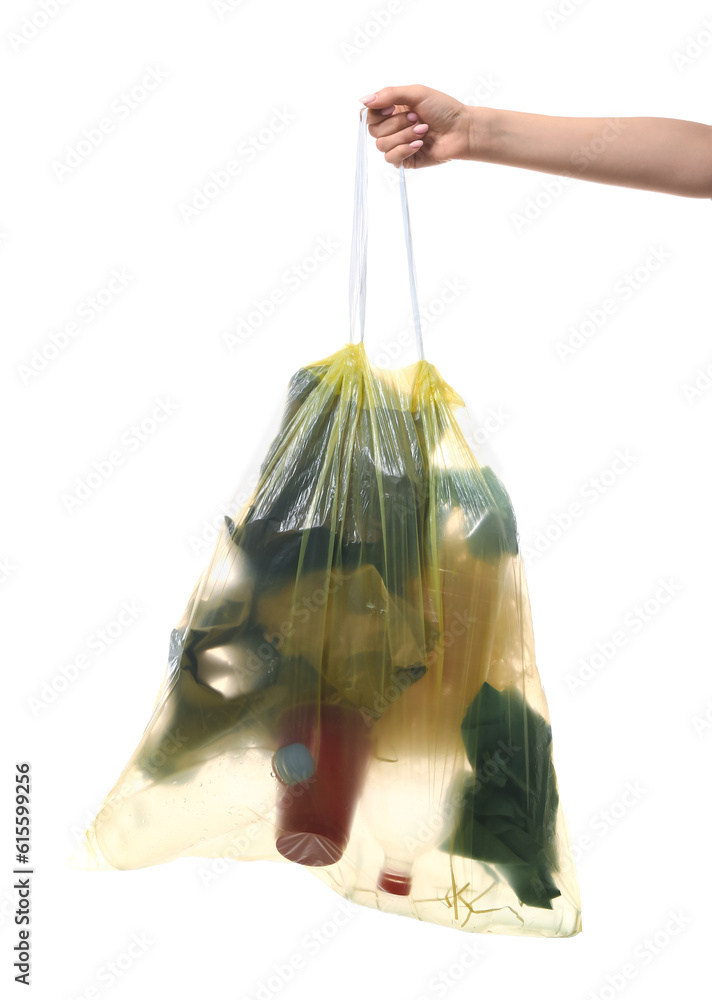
[352, 686]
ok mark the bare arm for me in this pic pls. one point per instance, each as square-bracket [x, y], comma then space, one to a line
[655, 154]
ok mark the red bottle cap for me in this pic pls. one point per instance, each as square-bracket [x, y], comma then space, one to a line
[396, 883]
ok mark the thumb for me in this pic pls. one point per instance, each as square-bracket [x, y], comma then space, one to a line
[410, 96]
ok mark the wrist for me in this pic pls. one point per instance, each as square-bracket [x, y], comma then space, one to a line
[479, 133]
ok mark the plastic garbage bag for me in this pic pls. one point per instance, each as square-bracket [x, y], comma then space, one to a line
[353, 686]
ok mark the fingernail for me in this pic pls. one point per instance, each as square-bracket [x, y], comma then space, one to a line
[368, 98]
[421, 129]
[417, 144]
[387, 111]
[411, 116]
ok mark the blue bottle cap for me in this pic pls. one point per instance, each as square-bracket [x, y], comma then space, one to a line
[293, 763]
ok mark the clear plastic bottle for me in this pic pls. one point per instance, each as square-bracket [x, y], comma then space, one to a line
[461, 601]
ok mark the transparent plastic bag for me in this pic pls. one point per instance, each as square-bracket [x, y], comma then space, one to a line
[353, 686]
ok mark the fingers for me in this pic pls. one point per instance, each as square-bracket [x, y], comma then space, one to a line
[393, 122]
[414, 133]
[397, 134]
[379, 125]
[410, 96]
[399, 153]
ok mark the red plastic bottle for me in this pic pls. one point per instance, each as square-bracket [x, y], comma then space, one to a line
[314, 816]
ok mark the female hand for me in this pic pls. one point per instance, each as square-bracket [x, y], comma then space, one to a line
[419, 127]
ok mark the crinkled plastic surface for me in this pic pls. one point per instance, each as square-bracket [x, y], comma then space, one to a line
[353, 684]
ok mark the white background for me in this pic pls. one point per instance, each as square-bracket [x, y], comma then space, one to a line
[640, 719]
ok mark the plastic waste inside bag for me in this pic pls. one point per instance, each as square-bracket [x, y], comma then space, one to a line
[353, 685]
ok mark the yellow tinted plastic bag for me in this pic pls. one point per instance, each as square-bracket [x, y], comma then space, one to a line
[353, 686]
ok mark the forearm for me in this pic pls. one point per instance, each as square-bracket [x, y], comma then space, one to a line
[657, 154]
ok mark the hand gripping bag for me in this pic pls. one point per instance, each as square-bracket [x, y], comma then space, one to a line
[353, 686]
